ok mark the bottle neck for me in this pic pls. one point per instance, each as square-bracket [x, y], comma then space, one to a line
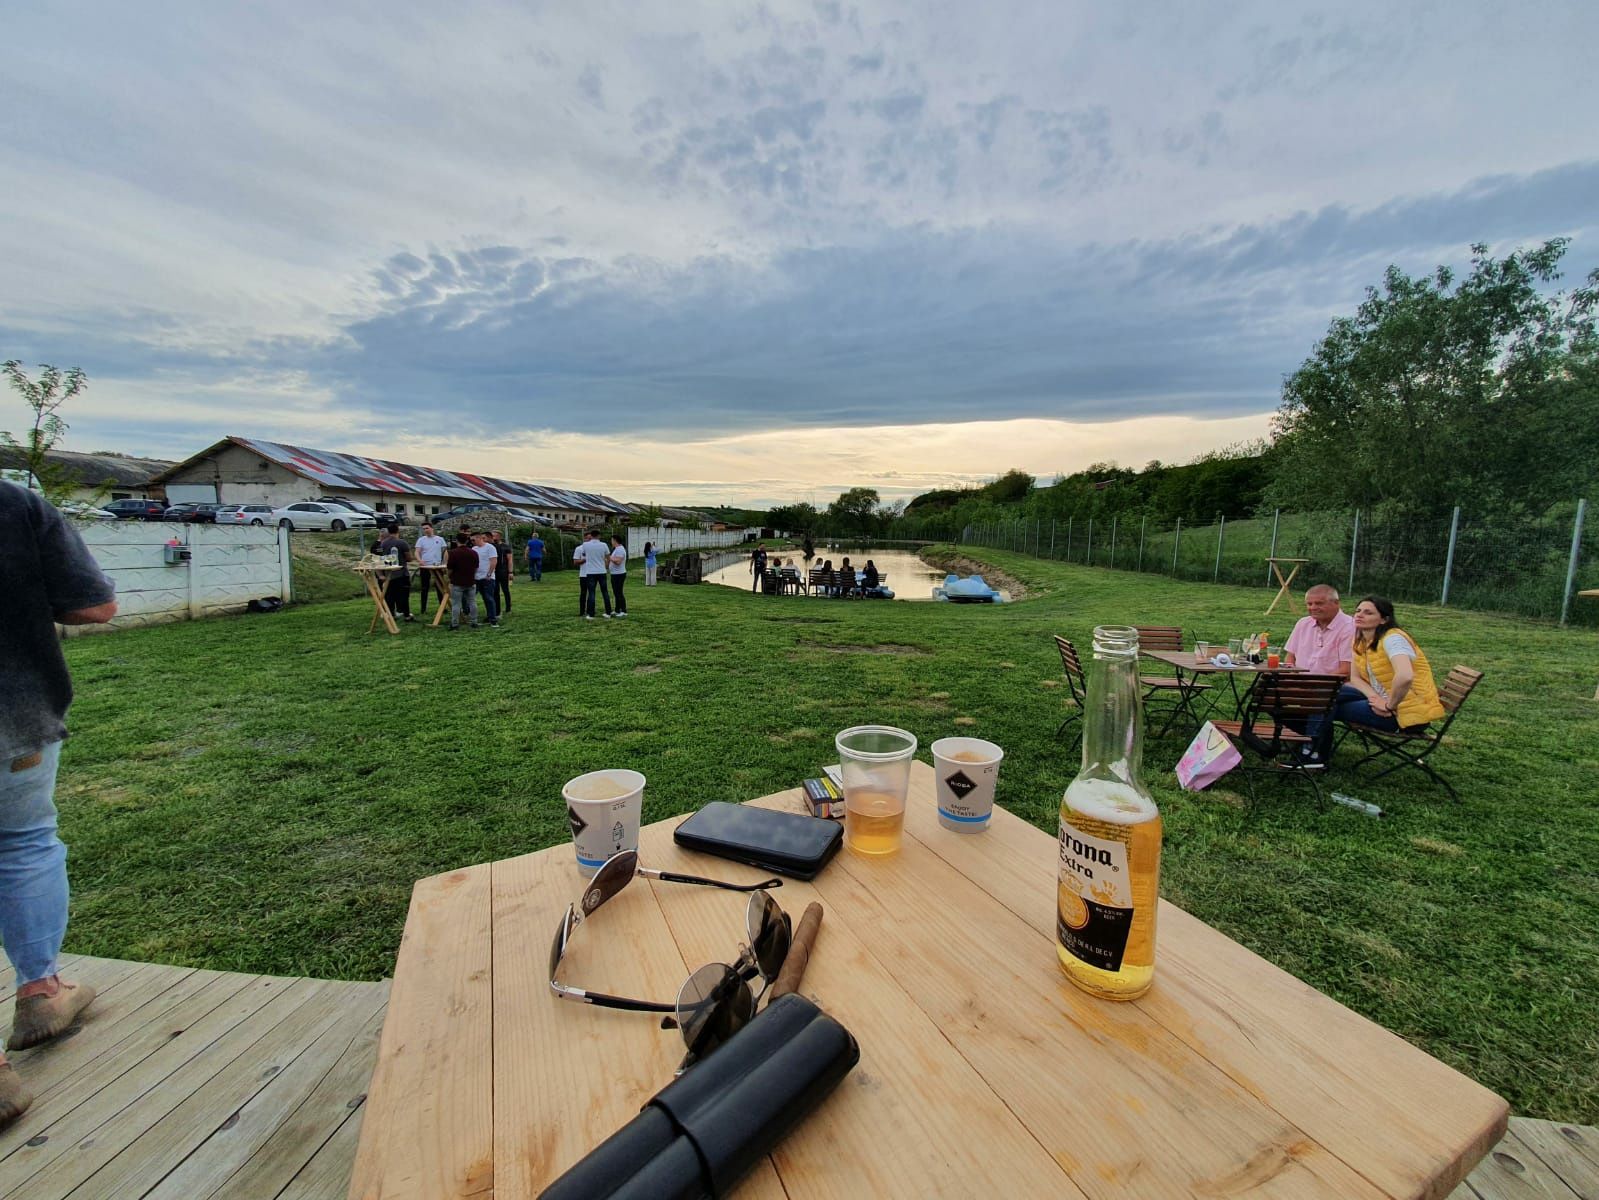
[1113, 723]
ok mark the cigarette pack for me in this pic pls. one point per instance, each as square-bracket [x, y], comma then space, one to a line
[825, 798]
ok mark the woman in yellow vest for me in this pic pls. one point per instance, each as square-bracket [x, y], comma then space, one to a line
[1390, 682]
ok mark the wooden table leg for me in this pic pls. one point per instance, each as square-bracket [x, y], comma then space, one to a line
[375, 590]
[1282, 591]
[441, 580]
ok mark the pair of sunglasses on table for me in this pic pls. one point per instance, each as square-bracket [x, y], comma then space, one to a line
[715, 1002]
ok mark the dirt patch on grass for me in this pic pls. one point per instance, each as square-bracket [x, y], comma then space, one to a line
[877, 648]
[948, 560]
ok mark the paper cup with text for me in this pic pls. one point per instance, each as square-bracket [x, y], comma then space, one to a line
[967, 769]
[603, 809]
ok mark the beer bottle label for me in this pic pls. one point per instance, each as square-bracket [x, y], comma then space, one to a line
[1095, 908]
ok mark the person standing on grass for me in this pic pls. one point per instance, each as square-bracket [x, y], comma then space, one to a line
[1323, 641]
[616, 562]
[430, 550]
[758, 566]
[397, 592]
[484, 578]
[649, 564]
[535, 558]
[50, 578]
[589, 559]
[461, 566]
[503, 566]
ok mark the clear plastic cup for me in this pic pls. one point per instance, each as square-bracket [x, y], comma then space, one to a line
[876, 764]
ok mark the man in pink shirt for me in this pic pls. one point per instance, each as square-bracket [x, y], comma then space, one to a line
[1323, 642]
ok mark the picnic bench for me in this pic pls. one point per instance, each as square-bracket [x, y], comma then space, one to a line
[983, 1071]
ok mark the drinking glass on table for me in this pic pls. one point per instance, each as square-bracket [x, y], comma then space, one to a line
[876, 764]
[1202, 652]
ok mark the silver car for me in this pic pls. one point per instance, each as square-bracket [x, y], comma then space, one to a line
[311, 514]
[246, 514]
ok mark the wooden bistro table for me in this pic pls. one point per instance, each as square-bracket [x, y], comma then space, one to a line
[441, 580]
[1186, 663]
[1277, 570]
[983, 1072]
[376, 575]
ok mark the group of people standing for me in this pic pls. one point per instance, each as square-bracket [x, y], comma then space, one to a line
[602, 569]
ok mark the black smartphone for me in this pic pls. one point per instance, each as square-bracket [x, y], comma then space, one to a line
[787, 843]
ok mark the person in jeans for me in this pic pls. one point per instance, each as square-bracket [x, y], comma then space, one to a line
[1390, 681]
[503, 566]
[589, 559]
[430, 548]
[535, 558]
[486, 559]
[461, 565]
[649, 565]
[50, 578]
[616, 562]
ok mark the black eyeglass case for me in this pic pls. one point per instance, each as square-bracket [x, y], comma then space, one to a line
[789, 843]
[699, 1135]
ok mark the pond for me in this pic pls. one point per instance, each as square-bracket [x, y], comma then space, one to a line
[906, 574]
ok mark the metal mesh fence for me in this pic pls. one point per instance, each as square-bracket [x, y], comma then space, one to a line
[1533, 565]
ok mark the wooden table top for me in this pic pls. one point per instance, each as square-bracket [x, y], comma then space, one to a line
[982, 1072]
[1185, 659]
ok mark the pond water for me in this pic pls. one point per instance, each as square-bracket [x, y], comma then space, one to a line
[906, 574]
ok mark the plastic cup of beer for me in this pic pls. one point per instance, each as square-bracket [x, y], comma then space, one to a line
[603, 809]
[967, 769]
[876, 764]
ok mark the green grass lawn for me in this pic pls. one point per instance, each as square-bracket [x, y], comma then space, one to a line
[258, 793]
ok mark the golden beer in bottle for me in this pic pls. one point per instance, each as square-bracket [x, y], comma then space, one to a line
[1109, 836]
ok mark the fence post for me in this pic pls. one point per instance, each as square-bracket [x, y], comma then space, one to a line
[1052, 537]
[1221, 532]
[1088, 552]
[1069, 522]
[1354, 545]
[1142, 522]
[1113, 543]
[1571, 566]
[1038, 533]
[1275, 514]
[1177, 540]
[1449, 559]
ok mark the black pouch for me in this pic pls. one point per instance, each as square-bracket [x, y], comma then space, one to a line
[789, 843]
[699, 1135]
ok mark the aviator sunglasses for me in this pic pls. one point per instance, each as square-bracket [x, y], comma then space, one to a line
[715, 1002]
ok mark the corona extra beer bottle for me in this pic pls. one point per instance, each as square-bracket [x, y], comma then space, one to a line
[1109, 836]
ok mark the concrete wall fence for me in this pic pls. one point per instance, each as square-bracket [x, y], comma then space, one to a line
[668, 538]
[227, 567]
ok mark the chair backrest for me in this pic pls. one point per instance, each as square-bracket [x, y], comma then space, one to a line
[1072, 666]
[1281, 699]
[1159, 637]
[1459, 685]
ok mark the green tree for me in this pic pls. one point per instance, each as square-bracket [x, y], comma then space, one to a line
[1435, 393]
[647, 515]
[855, 511]
[794, 518]
[45, 398]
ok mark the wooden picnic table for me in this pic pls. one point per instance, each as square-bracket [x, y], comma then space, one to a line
[983, 1071]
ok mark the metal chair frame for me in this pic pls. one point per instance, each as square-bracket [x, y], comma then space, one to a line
[1072, 667]
[1399, 743]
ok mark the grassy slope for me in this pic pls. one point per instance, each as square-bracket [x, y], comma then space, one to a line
[260, 792]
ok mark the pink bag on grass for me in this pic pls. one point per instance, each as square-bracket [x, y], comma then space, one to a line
[1208, 757]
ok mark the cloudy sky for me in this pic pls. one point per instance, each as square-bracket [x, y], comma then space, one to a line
[752, 252]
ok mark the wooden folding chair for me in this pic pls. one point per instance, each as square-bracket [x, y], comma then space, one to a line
[1078, 685]
[1177, 688]
[1276, 709]
[1412, 746]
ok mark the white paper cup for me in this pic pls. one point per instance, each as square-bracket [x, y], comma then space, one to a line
[967, 770]
[603, 808]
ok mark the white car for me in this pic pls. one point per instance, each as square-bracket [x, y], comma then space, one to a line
[246, 514]
[309, 514]
[79, 511]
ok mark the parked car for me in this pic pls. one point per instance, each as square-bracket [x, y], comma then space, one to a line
[192, 512]
[79, 511]
[352, 505]
[462, 511]
[316, 514]
[245, 514]
[137, 510]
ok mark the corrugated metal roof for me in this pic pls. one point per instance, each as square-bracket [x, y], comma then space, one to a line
[92, 470]
[353, 472]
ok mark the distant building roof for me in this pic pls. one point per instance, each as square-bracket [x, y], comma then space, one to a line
[91, 470]
[352, 472]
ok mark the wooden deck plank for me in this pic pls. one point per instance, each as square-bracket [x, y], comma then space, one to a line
[429, 1132]
[258, 1149]
[1572, 1150]
[288, 1061]
[327, 1175]
[99, 1129]
[185, 1006]
[1513, 1172]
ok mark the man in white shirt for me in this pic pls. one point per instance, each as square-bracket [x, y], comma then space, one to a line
[429, 553]
[616, 560]
[589, 559]
[487, 556]
[1322, 642]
